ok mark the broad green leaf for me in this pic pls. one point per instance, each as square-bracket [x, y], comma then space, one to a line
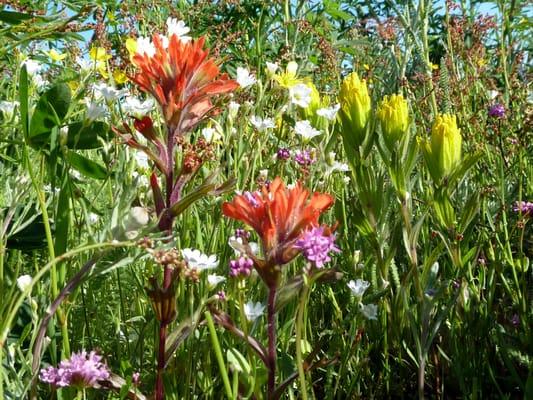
[49, 113]
[82, 136]
[86, 167]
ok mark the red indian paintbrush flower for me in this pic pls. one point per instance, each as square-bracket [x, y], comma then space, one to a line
[280, 216]
[182, 79]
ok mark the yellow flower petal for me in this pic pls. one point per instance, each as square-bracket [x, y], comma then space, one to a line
[55, 56]
[99, 54]
[120, 77]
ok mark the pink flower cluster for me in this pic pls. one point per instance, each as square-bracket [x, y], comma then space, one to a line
[241, 267]
[525, 207]
[316, 246]
[82, 370]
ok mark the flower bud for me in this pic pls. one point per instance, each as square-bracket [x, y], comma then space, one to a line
[443, 153]
[355, 108]
[393, 115]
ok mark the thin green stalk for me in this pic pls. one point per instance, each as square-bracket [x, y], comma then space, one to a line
[218, 354]
[299, 327]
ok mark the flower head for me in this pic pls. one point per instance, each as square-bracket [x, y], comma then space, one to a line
[300, 94]
[316, 245]
[358, 287]
[497, 111]
[241, 267]
[283, 154]
[355, 109]
[393, 115]
[178, 28]
[244, 77]
[82, 370]
[252, 310]
[24, 282]
[305, 130]
[304, 157]
[288, 79]
[262, 124]
[195, 259]
[181, 78]
[279, 215]
[330, 113]
[443, 153]
[524, 207]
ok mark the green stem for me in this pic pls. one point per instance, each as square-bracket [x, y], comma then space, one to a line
[299, 327]
[218, 354]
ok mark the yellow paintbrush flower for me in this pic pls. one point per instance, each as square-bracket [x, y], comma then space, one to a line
[393, 115]
[443, 152]
[355, 108]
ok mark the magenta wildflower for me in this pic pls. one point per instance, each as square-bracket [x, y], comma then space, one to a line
[241, 233]
[283, 154]
[525, 207]
[136, 378]
[497, 111]
[316, 245]
[241, 267]
[221, 295]
[82, 370]
[304, 157]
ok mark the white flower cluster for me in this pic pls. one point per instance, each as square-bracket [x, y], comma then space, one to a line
[358, 288]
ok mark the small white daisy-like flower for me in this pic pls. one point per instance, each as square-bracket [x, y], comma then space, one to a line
[211, 134]
[213, 280]
[85, 64]
[32, 67]
[24, 282]
[141, 158]
[370, 311]
[329, 112]
[138, 108]
[233, 107]
[358, 287]
[39, 82]
[244, 77]
[305, 130]
[178, 28]
[8, 108]
[95, 111]
[253, 310]
[197, 260]
[164, 41]
[237, 245]
[145, 46]
[272, 67]
[108, 93]
[300, 95]
[262, 124]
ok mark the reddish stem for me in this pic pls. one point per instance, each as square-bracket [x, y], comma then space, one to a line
[271, 327]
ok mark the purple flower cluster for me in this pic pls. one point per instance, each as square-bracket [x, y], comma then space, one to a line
[82, 370]
[283, 154]
[316, 246]
[304, 158]
[241, 267]
[497, 111]
[525, 207]
[241, 233]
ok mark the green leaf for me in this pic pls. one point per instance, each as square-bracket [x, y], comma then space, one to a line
[86, 167]
[49, 113]
[62, 218]
[23, 100]
[13, 17]
[83, 137]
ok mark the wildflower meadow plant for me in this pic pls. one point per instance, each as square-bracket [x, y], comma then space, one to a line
[265, 200]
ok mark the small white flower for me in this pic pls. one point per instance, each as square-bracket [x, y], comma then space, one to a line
[358, 287]
[272, 67]
[197, 260]
[8, 108]
[244, 78]
[262, 124]
[93, 218]
[39, 82]
[178, 28]
[137, 218]
[84, 64]
[493, 94]
[214, 280]
[24, 282]
[164, 41]
[263, 173]
[253, 310]
[145, 46]
[108, 93]
[138, 108]
[329, 113]
[233, 107]
[370, 311]
[211, 134]
[300, 95]
[304, 129]
[337, 166]
[95, 111]
[237, 245]
[142, 159]
[32, 67]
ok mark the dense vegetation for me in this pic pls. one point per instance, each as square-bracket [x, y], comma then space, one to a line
[266, 199]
